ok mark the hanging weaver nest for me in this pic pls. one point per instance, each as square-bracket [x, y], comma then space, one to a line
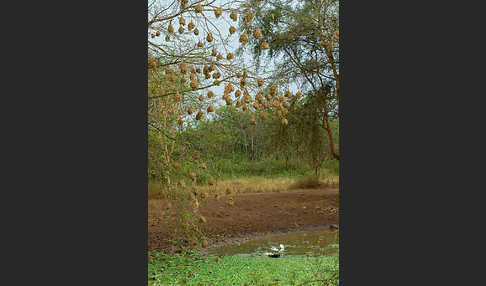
[273, 89]
[196, 32]
[229, 101]
[201, 98]
[207, 75]
[217, 82]
[202, 166]
[180, 122]
[247, 99]
[256, 105]
[189, 110]
[286, 104]
[191, 25]
[198, 70]
[244, 38]
[260, 81]
[263, 116]
[183, 67]
[233, 16]
[171, 28]
[284, 111]
[214, 52]
[266, 105]
[218, 12]
[249, 16]
[276, 103]
[284, 121]
[244, 107]
[210, 108]
[199, 44]
[237, 93]
[264, 45]
[288, 94]
[298, 95]
[198, 8]
[219, 57]
[209, 38]
[194, 84]
[253, 121]
[153, 36]
[216, 75]
[167, 38]
[210, 94]
[211, 67]
[238, 103]
[157, 33]
[229, 56]
[181, 30]
[229, 88]
[259, 97]
[199, 115]
[193, 71]
[243, 83]
[232, 30]
[182, 21]
[193, 76]
[257, 33]
[278, 112]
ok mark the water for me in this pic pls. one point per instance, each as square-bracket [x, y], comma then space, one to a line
[318, 242]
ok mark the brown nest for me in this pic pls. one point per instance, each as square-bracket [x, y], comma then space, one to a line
[210, 108]
[210, 94]
[196, 32]
[181, 29]
[191, 26]
[209, 37]
[260, 81]
[264, 45]
[198, 8]
[244, 38]
[218, 12]
[232, 30]
[182, 21]
[233, 16]
[257, 33]
[171, 28]
[199, 115]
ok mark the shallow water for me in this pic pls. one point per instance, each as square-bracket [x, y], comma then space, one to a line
[317, 242]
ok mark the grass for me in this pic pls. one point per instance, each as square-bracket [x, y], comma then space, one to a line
[196, 269]
[253, 185]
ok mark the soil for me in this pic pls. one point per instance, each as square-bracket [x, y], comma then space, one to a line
[251, 215]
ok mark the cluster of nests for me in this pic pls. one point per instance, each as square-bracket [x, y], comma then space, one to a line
[218, 11]
[273, 99]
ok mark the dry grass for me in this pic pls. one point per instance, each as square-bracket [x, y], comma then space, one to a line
[251, 185]
[315, 183]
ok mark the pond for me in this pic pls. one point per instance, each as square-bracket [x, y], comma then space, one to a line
[317, 242]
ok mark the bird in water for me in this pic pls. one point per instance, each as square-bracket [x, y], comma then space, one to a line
[276, 251]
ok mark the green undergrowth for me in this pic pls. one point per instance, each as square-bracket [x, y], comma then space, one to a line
[197, 269]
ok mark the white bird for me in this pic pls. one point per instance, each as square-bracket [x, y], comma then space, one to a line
[278, 250]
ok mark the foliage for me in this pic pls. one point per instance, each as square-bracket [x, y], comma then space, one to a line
[196, 269]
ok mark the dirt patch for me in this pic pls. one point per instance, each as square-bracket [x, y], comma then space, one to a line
[252, 215]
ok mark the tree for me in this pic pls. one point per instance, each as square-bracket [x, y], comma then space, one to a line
[304, 47]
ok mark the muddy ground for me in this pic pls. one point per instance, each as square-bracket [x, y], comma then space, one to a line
[251, 215]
